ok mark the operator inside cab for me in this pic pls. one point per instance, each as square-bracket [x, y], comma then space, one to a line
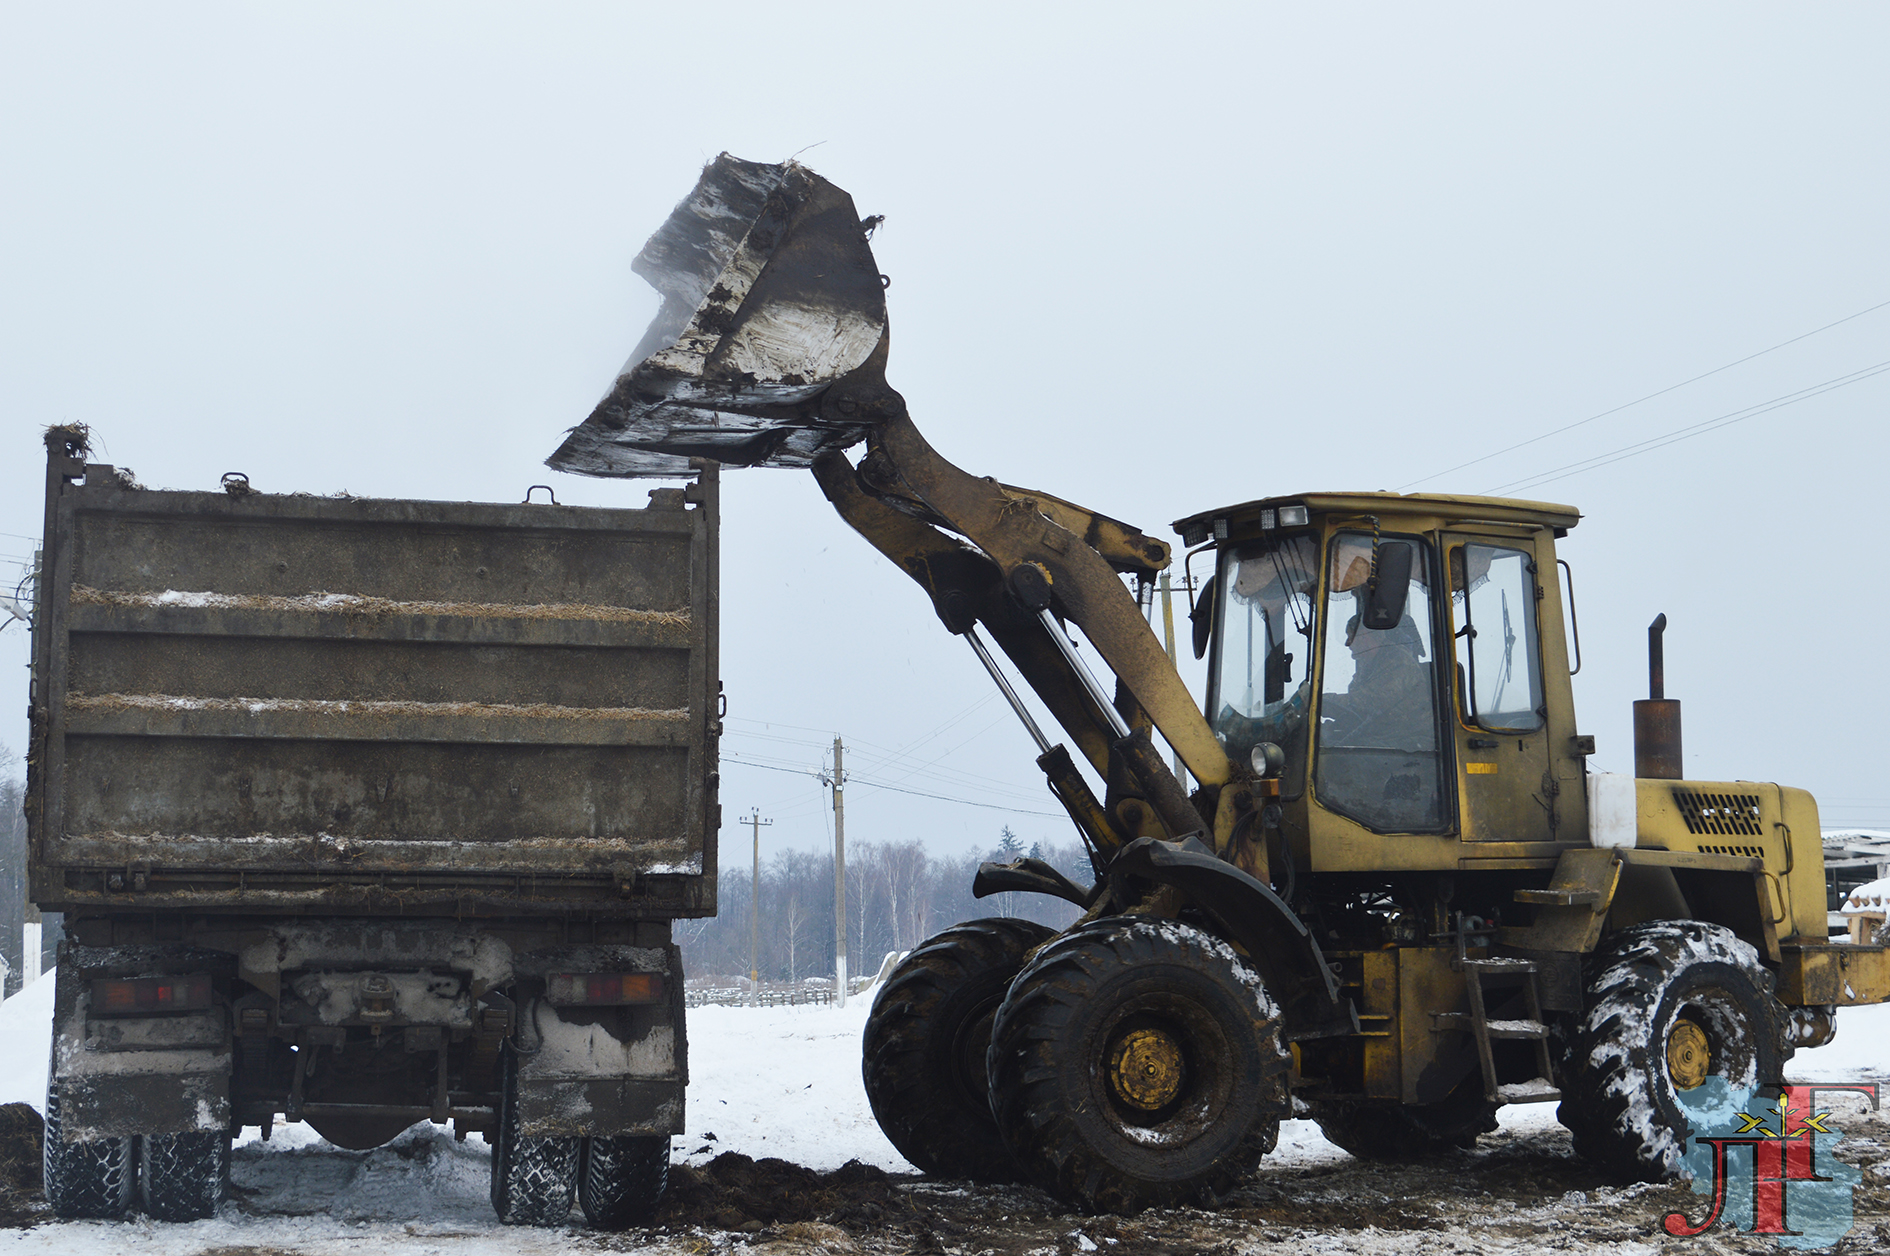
[1376, 757]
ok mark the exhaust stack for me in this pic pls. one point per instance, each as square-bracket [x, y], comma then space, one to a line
[1657, 718]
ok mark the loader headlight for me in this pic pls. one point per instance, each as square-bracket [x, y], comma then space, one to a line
[1292, 516]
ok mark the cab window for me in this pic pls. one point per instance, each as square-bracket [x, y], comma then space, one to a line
[1378, 759]
[1263, 651]
[1493, 601]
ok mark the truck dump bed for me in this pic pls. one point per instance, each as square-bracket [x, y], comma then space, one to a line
[255, 703]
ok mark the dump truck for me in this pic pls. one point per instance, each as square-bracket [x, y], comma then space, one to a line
[1380, 885]
[368, 812]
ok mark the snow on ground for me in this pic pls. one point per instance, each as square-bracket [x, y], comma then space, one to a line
[766, 1082]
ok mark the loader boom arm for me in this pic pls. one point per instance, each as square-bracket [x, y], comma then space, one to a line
[770, 350]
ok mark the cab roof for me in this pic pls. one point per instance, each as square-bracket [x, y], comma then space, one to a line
[1449, 506]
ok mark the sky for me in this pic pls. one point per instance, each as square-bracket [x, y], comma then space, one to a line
[1152, 260]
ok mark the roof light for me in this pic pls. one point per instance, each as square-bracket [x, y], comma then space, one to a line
[1267, 520]
[1220, 529]
[135, 996]
[603, 989]
[1292, 516]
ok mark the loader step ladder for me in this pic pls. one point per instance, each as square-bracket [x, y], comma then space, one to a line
[1520, 973]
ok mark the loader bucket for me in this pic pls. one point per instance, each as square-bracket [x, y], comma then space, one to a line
[770, 294]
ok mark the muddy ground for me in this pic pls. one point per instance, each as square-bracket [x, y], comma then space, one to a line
[1514, 1192]
[1519, 1190]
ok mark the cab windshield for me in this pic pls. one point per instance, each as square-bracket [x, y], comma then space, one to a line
[1263, 650]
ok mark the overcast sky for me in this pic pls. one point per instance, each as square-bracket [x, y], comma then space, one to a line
[1153, 259]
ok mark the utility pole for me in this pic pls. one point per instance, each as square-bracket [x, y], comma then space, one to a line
[756, 823]
[839, 875]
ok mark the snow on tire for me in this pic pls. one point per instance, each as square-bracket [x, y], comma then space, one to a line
[621, 1179]
[923, 1057]
[1668, 1005]
[91, 1179]
[1137, 1063]
[181, 1177]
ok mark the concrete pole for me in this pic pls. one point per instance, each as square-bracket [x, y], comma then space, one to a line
[755, 822]
[839, 875]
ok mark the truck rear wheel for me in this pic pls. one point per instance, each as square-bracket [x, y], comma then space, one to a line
[621, 1180]
[1407, 1131]
[533, 1177]
[925, 1046]
[85, 1180]
[181, 1177]
[1669, 1005]
[1137, 1063]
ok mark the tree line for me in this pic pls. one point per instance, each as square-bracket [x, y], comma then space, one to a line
[898, 895]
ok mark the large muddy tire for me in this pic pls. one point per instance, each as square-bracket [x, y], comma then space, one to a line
[1376, 1131]
[181, 1177]
[1137, 1063]
[92, 1179]
[533, 1178]
[1668, 1005]
[925, 1046]
[621, 1180]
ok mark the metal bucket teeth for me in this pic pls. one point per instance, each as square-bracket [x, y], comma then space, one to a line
[770, 294]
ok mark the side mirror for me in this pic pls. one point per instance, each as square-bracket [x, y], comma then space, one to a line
[1201, 617]
[1384, 607]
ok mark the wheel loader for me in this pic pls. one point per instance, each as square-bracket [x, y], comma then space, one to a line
[1379, 886]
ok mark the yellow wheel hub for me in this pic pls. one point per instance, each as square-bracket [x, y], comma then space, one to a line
[1689, 1056]
[1146, 1069]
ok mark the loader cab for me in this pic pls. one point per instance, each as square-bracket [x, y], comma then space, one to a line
[1406, 654]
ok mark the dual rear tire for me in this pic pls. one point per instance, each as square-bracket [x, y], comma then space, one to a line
[173, 1177]
[618, 1180]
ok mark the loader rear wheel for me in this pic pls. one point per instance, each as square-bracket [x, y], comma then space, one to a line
[925, 1046]
[1407, 1131]
[85, 1180]
[181, 1177]
[1669, 1005]
[621, 1179]
[1137, 1063]
[533, 1177]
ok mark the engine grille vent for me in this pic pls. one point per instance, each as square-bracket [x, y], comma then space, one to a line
[1745, 852]
[1724, 815]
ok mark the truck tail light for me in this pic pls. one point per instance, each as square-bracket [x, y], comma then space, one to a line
[131, 996]
[603, 989]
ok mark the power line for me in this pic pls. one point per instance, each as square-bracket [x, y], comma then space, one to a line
[1691, 430]
[966, 802]
[867, 782]
[1649, 397]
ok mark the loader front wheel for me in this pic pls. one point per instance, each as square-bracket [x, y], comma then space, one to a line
[1669, 1005]
[925, 1046]
[1137, 1063]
